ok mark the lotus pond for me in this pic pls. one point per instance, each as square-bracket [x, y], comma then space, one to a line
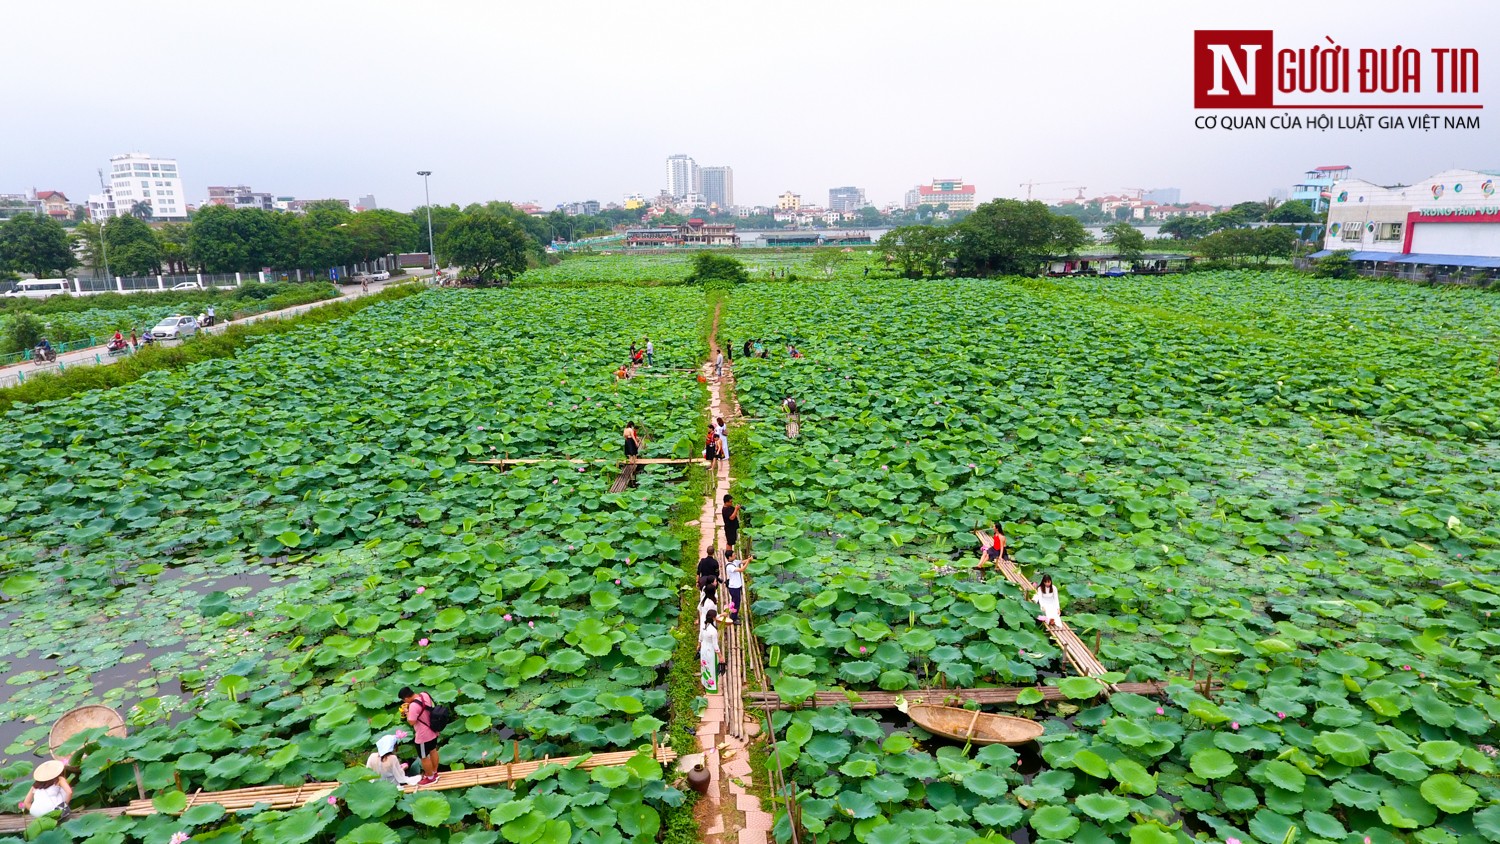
[1289, 482]
[262, 549]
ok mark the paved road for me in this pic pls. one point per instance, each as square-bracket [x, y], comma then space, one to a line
[96, 355]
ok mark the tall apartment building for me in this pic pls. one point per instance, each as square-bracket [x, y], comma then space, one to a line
[140, 177]
[683, 176]
[718, 187]
[846, 199]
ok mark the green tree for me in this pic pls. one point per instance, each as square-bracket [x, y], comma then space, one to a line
[919, 250]
[227, 240]
[1127, 240]
[1270, 242]
[1186, 228]
[828, 261]
[709, 268]
[1336, 265]
[176, 246]
[34, 244]
[22, 331]
[1296, 211]
[1011, 237]
[133, 247]
[376, 233]
[1250, 211]
[141, 210]
[490, 247]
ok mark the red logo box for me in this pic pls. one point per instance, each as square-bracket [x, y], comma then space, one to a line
[1232, 68]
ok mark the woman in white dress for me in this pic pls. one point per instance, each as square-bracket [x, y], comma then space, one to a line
[708, 651]
[706, 602]
[1046, 598]
[385, 763]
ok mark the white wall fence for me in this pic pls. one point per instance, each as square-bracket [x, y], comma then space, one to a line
[84, 285]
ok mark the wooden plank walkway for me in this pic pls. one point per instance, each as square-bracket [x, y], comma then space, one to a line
[18, 823]
[627, 477]
[954, 697]
[793, 426]
[290, 797]
[1077, 653]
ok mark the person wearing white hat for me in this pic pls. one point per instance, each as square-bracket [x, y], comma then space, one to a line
[49, 791]
[384, 762]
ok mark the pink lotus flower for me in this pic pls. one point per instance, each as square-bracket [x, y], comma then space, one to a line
[1367, 839]
[401, 735]
[972, 466]
[421, 589]
[481, 428]
[333, 801]
[549, 404]
[1022, 652]
[422, 642]
[1406, 668]
[1234, 725]
[861, 648]
[507, 616]
[1281, 715]
[1231, 841]
[1160, 711]
[178, 838]
[617, 581]
[554, 480]
[531, 624]
[1041, 618]
[884, 467]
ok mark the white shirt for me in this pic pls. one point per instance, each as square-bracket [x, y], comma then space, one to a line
[390, 769]
[49, 799]
[1050, 604]
[704, 605]
[723, 439]
[736, 569]
[720, 361]
[650, 348]
[708, 641]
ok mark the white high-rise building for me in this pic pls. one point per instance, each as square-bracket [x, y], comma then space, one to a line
[683, 176]
[139, 177]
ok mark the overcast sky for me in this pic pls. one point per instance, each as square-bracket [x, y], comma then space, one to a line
[560, 101]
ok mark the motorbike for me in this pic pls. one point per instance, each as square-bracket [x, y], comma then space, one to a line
[206, 320]
[44, 355]
[115, 348]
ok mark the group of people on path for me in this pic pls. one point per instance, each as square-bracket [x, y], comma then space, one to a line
[733, 574]
[716, 445]
[642, 355]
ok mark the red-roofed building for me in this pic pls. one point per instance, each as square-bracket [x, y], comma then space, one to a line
[55, 204]
[959, 196]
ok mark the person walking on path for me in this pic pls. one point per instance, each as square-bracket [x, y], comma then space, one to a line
[386, 765]
[49, 792]
[417, 709]
[722, 432]
[708, 651]
[731, 513]
[711, 451]
[650, 352]
[736, 582]
[719, 365]
[632, 443]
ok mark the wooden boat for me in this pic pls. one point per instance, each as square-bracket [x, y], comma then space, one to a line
[973, 725]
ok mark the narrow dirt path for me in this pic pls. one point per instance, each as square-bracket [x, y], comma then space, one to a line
[734, 815]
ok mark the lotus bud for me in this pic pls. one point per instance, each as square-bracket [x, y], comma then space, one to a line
[421, 589]
[1160, 711]
[1234, 725]
[507, 616]
[422, 642]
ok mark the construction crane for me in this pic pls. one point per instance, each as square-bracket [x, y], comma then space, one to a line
[1080, 190]
[1139, 192]
[1029, 185]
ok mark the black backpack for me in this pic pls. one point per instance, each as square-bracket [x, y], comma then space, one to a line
[438, 716]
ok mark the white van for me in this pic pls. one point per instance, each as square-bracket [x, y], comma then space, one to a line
[41, 288]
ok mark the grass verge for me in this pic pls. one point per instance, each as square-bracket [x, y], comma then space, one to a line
[48, 386]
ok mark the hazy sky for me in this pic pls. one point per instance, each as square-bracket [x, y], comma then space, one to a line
[560, 101]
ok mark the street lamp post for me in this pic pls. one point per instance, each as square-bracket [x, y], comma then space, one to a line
[431, 247]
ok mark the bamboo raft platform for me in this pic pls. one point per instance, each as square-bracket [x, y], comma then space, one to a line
[626, 478]
[290, 797]
[887, 700]
[1077, 653]
[793, 426]
[18, 823]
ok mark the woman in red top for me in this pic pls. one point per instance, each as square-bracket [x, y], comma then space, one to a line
[417, 708]
[996, 549]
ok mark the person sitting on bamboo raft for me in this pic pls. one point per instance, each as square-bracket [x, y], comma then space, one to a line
[385, 763]
[1046, 597]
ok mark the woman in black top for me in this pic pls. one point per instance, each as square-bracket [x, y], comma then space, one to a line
[731, 513]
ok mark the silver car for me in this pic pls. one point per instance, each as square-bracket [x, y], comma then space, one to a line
[174, 328]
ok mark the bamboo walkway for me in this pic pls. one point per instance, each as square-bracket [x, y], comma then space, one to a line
[626, 478]
[1077, 653]
[947, 697]
[793, 426]
[642, 461]
[290, 797]
[285, 797]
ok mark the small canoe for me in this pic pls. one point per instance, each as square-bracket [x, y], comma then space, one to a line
[973, 725]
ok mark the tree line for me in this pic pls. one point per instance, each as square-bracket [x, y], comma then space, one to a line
[327, 234]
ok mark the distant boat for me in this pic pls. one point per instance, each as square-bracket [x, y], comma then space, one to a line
[973, 725]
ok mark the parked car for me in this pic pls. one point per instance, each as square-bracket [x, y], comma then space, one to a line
[359, 277]
[40, 288]
[174, 328]
[187, 285]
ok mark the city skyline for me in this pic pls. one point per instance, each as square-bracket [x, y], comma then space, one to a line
[1127, 119]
